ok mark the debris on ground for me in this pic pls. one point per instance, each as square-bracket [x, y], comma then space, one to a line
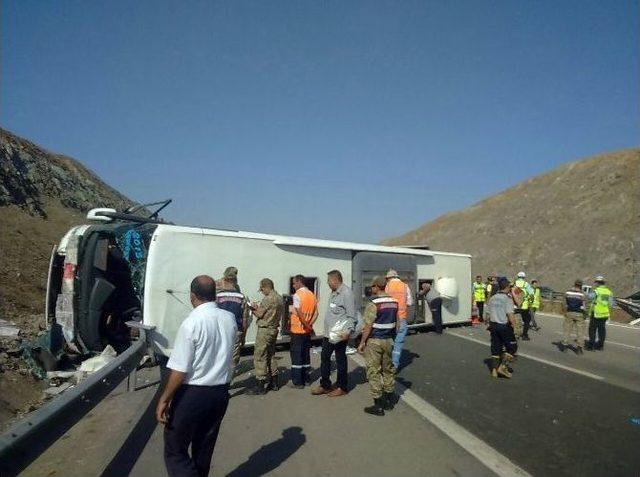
[8, 329]
[92, 365]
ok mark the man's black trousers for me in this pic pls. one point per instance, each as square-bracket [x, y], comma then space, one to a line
[300, 358]
[436, 314]
[598, 325]
[502, 336]
[480, 305]
[341, 364]
[194, 420]
[526, 321]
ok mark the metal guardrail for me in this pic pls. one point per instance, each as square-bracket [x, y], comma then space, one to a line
[31, 436]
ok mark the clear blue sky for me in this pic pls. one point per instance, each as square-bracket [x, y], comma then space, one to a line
[332, 119]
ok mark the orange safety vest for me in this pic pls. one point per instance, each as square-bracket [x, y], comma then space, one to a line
[397, 289]
[308, 305]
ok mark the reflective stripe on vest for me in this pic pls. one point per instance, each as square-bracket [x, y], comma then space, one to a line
[479, 291]
[231, 301]
[308, 305]
[386, 316]
[398, 291]
[601, 304]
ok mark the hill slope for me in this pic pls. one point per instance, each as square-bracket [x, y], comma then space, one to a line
[577, 221]
[41, 196]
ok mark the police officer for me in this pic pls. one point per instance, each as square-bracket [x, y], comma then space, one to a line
[535, 304]
[229, 298]
[502, 322]
[380, 325]
[526, 295]
[268, 316]
[479, 296]
[489, 287]
[601, 301]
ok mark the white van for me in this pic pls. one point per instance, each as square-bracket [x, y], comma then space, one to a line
[131, 268]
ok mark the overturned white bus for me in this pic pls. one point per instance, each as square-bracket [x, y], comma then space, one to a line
[125, 267]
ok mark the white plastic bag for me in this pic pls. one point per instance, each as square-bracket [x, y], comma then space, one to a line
[337, 331]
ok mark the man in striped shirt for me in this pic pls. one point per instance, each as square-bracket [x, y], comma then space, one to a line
[574, 317]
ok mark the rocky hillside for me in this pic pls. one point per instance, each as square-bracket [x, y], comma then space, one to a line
[577, 221]
[42, 195]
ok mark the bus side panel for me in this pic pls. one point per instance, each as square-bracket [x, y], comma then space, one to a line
[177, 256]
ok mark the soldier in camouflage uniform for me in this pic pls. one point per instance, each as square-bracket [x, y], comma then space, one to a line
[268, 316]
[229, 298]
[380, 326]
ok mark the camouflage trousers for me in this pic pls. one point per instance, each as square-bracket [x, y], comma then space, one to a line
[380, 370]
[237, 347]
[264, 351]
[517, 329]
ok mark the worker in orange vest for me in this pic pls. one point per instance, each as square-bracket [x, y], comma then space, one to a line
[401, 292]
[304, 313]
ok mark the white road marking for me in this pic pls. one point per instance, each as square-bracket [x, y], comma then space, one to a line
[486, 454]
[609, 323]
[610, 342]
[535, 358]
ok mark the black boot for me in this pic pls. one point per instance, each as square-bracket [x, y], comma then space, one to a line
[273, 383]
[376, 409]
[259, 389]
[388, 401]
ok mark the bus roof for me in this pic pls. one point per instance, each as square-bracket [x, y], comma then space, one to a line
[307, 242]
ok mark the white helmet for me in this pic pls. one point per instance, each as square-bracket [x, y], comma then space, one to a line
[599, 278]
[521, 275]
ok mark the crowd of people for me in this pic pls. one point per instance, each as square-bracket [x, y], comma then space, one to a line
[511, 308]
[209, 341]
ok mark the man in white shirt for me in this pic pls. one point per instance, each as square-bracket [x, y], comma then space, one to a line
[196, 395]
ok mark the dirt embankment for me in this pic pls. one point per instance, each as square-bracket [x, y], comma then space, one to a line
[42, 195]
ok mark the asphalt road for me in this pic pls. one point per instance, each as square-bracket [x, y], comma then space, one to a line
[560, 415]
[286, 433]
[550, 420]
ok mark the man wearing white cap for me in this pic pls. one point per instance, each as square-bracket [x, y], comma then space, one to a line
[399, 291]
[526, 296]
[601, 301]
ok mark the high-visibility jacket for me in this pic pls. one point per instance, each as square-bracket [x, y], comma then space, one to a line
[479, 291]
[489, 289]
[536, 299]
[386, 316]
[398, 290]
[527, 293]
[308, 306]
[601, 303]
